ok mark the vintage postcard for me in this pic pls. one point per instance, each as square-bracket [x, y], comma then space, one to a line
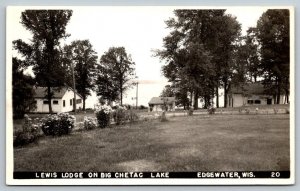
[150, 95]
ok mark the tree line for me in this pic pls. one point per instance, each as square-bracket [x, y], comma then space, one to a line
[51, 63]
[205, 51]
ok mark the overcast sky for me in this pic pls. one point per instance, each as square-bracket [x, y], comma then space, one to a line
[139, 29]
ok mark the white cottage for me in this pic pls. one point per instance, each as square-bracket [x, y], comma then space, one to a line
[62, 100]
[158, 103]
[251, 94]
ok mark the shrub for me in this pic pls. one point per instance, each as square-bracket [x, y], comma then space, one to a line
[58, 124]
[163, 117]
[89, 123]
[119, 115]
[247, 111]
[29, 134]
[143, 107]
[211, 110]
[128, 106]
[131, 116]
[190, 111]
[103, 113]
[80, 126]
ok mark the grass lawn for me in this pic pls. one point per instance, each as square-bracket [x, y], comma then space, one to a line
[197, 143]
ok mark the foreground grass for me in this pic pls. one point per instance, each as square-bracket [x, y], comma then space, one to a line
[198, 143]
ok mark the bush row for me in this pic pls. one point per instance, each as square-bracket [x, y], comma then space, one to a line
[63, 123]
[120, 115]
[54, 124]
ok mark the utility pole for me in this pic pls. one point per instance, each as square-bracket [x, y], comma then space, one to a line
[74, 100]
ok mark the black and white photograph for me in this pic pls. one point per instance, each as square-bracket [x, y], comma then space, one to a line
[150, 95]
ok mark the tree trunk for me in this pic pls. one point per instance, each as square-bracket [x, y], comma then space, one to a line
[255, 78]
[83, 107]
[211, 99]
[278, 95]
[49, 96]
[217, 96]
[121, 97]
[190, 104]
[225, 94]
[206, 102]
[287, 96]
[121, 89]
[196, 100]
[278, 91]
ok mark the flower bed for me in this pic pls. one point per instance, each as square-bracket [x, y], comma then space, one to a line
[58, 124]
[103, 115]
[28, 134]
[89, 123]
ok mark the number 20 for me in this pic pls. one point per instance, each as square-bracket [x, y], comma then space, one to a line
[275, 174]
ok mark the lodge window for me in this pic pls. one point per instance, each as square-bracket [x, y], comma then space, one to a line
[64, 103]
[55, 102]
[257, 101]
[70, 101]
[45, 102]
[250, 101]
[78, 101]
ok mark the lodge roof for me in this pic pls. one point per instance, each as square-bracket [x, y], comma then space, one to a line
[58, 92]
[160, 100]
[250, 88]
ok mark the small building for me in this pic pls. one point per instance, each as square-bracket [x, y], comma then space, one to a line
[159, 104]
[62, 100]
[251, 94]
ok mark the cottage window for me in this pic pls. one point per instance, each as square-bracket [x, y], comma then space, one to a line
[78, 101]
[64, 103]
[70, 101]
[250, 101]
[55, 102]
[257, 101]
[46, 102]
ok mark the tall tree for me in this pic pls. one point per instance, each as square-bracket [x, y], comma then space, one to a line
[202, 40]
[23, 93]
[48, 27]
[252, 46]
[168, 91]
[80, 53]
[119, 67]
[106, 86]
[273, 29]
[240, 60]
[228, 36]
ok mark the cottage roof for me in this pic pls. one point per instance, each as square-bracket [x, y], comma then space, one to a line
[249, 88]
[41, 92]
[160, 100]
